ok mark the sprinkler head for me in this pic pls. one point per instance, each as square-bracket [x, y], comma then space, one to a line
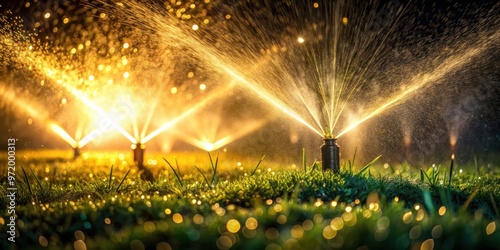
[330, 155]
[76, 152]
[139, 154]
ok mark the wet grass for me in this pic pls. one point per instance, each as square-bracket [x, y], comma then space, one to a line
[100, 202]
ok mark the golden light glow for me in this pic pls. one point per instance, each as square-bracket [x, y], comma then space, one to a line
[344, 20]
[233, 226]
[300, 40]
[183, 115]
[204, 144]
[40, 115]
[490, 228]
[251, 223]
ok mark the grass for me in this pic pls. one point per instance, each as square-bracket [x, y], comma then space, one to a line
[101, 202]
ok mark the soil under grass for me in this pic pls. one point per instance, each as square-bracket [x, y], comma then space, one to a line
[97, 203]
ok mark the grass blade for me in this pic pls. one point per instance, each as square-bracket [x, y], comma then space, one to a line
[37, 181]
[27, 182]
[351, 164]
[110, 176]
[202, 174]
[121, 182]
[211, 161]
[214, 167]
[494, 205]
[304, 164]
[257, 166]
[177, 166]
[176, 175]
[369, 164]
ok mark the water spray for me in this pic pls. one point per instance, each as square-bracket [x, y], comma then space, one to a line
[330, 155]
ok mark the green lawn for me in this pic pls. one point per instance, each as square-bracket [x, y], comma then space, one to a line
[97, 203]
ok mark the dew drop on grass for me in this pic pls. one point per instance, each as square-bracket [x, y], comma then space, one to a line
[490, 228]
[233, 226]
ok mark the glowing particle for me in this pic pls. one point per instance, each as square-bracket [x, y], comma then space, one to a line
[43, 241]
[490, 228]
[348, 209]
[415, 232]
[427, 245]
[177, 218]
[80, 46]
[91, 78]
[344, 20]
[367, 214]
[198, 219]
[233, 226]
[329, 233]
[251, 223]
[206, 21]
[192, 6]
[203, 86]
[107, 221]
[420, 215]
[278, 208]
[407, 217]
[30, 121]
[442, 210]
[194, 27]
[126, 74]
[173, 90]
[73, 50]
[383, 223]
[79, 245]
[102, 15]
[87, 43]
[168, 211]
[417, 207]
[337, 224]
[437, 231]
[149, 227]
[281, 219]
[297, 231]
[27, 5]
[224, 242]
[66, 20]
[272, 233]
[228, 16]
[315, 5]
[307, 225]
[47, 15]
[63, 101]
[300, 40]
[126, 45]
[79, 235]
[333, 204]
